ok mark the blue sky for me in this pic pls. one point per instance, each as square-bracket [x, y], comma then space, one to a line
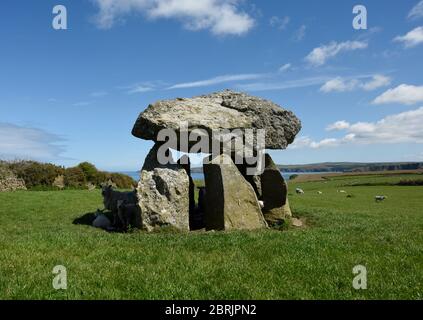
[73, 95]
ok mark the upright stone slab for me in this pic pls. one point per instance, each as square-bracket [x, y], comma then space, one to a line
[163, 194]
[274, 193]
[231, 203]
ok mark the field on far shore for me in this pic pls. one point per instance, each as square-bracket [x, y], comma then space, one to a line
[314, 262]
[328, 175]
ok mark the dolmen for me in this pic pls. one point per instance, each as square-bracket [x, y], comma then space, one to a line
[235, 130]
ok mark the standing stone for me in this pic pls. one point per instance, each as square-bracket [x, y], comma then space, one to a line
[231, 203]
[163, 194]
[274, 193]
[254, 180]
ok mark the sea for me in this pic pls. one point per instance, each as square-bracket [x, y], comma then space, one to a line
[200, 176]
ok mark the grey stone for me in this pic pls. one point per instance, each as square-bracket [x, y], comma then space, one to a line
[163, 193]
[231, 203]
[217, 111]
[274, 193]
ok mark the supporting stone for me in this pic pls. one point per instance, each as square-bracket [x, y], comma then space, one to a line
[163, 193]
[274, 193]
[231, 203]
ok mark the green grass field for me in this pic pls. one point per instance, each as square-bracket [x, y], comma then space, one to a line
[316, 262]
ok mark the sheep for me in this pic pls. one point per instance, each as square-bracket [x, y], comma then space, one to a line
[299, 191]
[129, 214]
[342, 191]
[380, 198]
[111, 198]
[319, 192]
[101, 221]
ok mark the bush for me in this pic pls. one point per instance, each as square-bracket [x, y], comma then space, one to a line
[75, 178]
[90, 172]
[122, 181]
[417, 182]
[46, 176]
[36, 174]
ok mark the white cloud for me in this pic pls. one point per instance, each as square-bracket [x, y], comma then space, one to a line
[285, 67]
[340, 84]
[279, 23]
[18, 142]
[378, 81]
[339, 125]
[403, 94]
[300, 33]
[417, 11]
[221, 17]
[405, 127]
[319, 56]
[140, 89]
[412, 38]
[290, 84]
[217, 80]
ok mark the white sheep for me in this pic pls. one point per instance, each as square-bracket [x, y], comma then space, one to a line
[299, 191]
[380, 198]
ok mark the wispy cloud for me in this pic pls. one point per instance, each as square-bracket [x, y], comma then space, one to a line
[279, 23]
[300, 34]
[82, 104]
[289, 84]
[285, 67]
[340, 84]
[403, 94]
[218, 80]
[412, 38]
[417, 11]
[19, 142]
[403, 127]
[221, 17]
[319, 56]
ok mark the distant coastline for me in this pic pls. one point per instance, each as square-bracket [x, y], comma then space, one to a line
[316, 168]
[343, 167]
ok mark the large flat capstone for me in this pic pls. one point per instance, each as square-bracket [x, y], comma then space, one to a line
[218, 111]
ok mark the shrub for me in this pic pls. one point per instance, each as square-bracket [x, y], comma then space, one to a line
[35, 173]
[75, 178]
[417, 182]
[122, 181]
[90, 172]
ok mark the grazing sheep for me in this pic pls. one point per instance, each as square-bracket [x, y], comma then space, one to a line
[380, 198]
[111, 198]
[342, 191]
[299, 191]
[319, 192]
